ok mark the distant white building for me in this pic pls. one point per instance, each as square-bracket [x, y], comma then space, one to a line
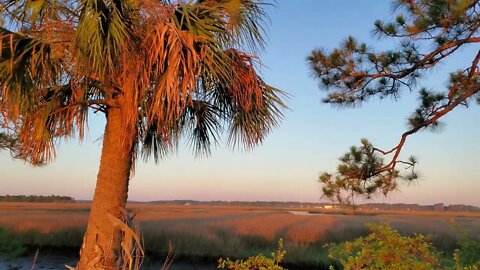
[328, 207]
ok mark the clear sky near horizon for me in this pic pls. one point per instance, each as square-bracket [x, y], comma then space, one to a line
[309, 141]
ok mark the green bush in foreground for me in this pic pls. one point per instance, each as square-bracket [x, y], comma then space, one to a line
[459, 265]
[468, 254]
[385, 248]
[259, 262]
[10, 249]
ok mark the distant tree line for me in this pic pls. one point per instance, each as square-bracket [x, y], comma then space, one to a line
[417, 207]
[35, 198]
[376, 206]
[243, 203]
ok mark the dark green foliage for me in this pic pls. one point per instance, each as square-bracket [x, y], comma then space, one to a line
[427, 32]
[468, 254]
[10, 249]
[362, 172]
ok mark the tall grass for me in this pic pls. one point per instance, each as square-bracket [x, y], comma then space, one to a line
[204, 234]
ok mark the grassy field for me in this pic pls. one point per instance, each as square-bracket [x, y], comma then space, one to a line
[204, 233]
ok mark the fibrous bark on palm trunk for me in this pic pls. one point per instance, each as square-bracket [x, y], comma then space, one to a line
[101, 246]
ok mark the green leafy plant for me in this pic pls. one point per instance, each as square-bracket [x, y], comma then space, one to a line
[10, 249]
[468, 255]
[259, 262]
[385, 248]
[459, 265]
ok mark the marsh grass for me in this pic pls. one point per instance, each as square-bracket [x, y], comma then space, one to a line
[10, 248]
[65, 241]
[202, 234]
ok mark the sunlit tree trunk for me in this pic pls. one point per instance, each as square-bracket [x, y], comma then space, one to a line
[101, 244]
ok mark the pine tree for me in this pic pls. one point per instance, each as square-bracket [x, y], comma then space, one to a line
[428, 32]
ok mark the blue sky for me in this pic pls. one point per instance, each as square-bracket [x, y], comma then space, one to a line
[309, 141]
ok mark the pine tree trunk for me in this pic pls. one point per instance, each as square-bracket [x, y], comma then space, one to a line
[101, 244]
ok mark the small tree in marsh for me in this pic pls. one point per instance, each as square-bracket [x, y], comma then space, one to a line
[158, 71]
[429, 32]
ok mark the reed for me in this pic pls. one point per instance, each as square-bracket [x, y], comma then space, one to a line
[206, 233]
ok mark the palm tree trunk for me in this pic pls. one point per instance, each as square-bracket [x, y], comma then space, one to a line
[101, 244]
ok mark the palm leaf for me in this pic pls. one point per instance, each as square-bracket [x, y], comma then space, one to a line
[178, 69]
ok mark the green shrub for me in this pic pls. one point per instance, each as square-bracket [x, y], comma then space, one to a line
[468, 255]
[385, 248]
[259, 262]
[460, 265]
[10, 249]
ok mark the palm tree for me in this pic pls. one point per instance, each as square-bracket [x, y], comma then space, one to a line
[158, 71]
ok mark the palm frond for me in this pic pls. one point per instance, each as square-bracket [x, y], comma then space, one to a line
[202, 124]
[245, 21]
[102, 33]
[29, 14]
[156, 144]
[253, 107]
[28, 67]
[63, 112]
[250, 127]
[174, 70]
